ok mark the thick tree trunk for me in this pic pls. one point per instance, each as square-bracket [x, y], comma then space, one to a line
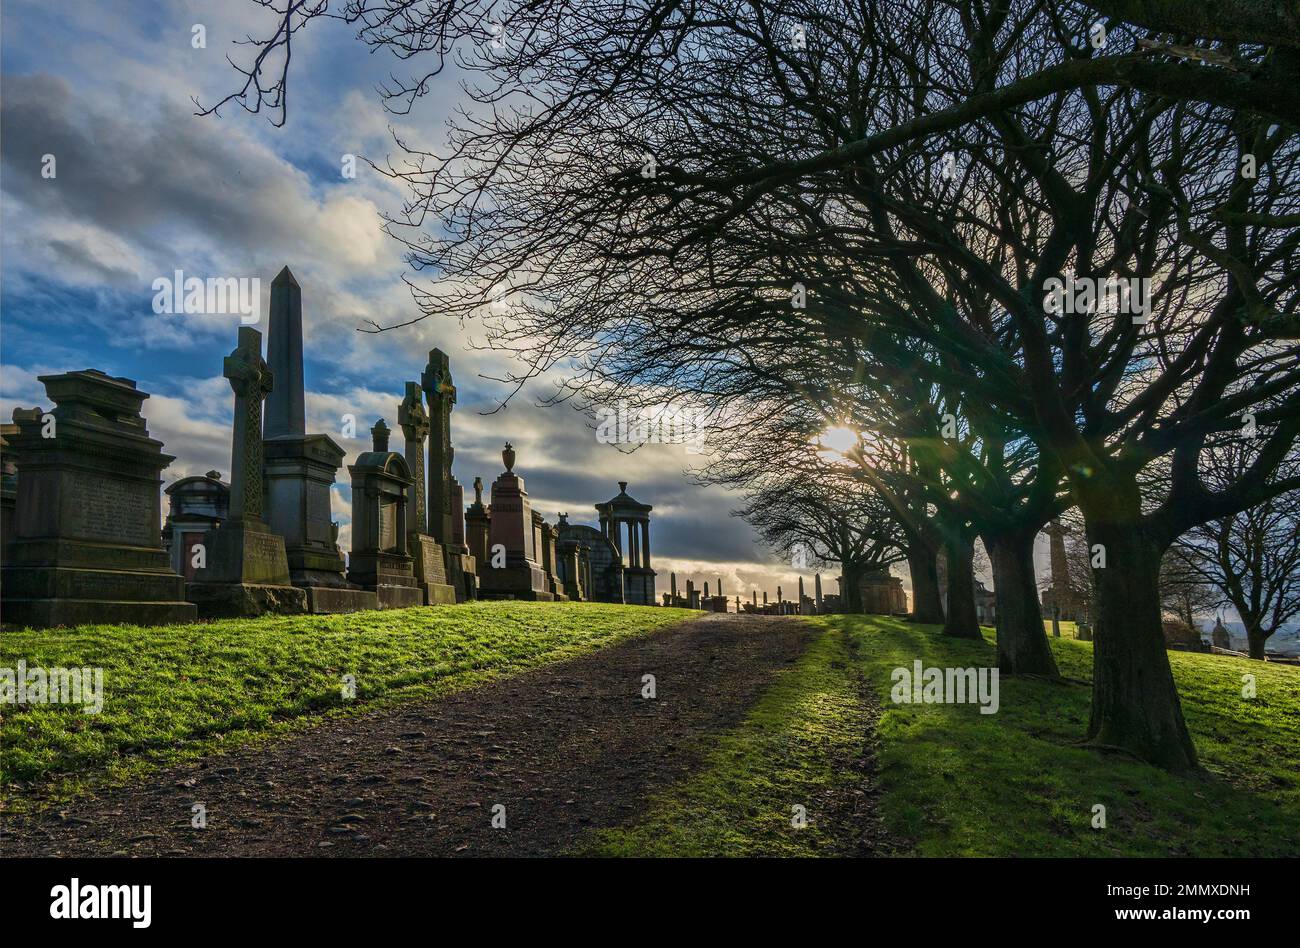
[1135, 704]
[852, 590]
[1022, 643]
[927, 605]
[1256, 639]
[961, 622]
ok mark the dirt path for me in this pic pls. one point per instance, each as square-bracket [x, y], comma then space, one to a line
[565, 749]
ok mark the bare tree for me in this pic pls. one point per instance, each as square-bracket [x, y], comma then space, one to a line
[635, 185]
[830, 523]
[1184, 590]
[1252, 558]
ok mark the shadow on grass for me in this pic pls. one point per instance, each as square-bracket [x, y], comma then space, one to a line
[1015, 783]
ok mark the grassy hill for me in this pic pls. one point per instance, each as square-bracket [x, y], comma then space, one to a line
[946, 780]
[177, 692]
[955, 782]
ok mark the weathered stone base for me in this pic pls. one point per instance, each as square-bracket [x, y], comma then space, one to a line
[439, 594]
[400, 597]
[469, 578]
[337, 599]
[639, 586]
[521, 596]
[44, 613]
[454, 561]
[238, 600]
[244, 553]
[515, 581]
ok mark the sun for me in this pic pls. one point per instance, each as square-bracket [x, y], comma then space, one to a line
[835, 443]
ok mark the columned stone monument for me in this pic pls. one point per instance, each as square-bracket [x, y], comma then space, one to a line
[381, 484]
[443, 489]
[246, 571]
[882, 593]
[627, 523]
[430, 564]
[511, 529]
[85, 544]
[300, 468]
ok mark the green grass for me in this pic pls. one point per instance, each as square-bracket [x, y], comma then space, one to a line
[955, 782]
[959, 783]
[177, 692]
[793, 749]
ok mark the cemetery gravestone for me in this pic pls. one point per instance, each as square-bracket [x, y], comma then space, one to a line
[445, 496]
[427, 553]
[86, 545]
[381, 484]
[300, 468]
[247, 571]
[511, 528]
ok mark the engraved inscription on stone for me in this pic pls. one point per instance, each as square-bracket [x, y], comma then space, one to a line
[262, 546]
[318, 513]
[96, 507]
[387, 526]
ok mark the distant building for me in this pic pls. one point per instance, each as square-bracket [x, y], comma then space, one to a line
[1219, 636]
[882, 593]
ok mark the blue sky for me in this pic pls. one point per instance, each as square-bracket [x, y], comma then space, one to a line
[144, 187]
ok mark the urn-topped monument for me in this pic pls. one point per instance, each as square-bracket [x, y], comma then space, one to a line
[513, 569]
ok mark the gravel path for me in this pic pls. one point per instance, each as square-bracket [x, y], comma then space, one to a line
[564, 749]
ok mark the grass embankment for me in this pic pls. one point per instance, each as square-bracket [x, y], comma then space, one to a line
[959, 783]
[178, 692]
[1013, 783]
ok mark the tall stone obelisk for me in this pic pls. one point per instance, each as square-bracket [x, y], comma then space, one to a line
[300, 468]
[440, 392]
[286, 413]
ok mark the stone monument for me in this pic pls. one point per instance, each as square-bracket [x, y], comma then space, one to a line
[544, 537]
[478, 521]
[443, 489]
[246, 571]
[511, 529]
[85, 544]
[569, 559]
[469, 570]
[300, 468]
[196, 505]
[430, 564]
[381, 484]
[626, 522]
